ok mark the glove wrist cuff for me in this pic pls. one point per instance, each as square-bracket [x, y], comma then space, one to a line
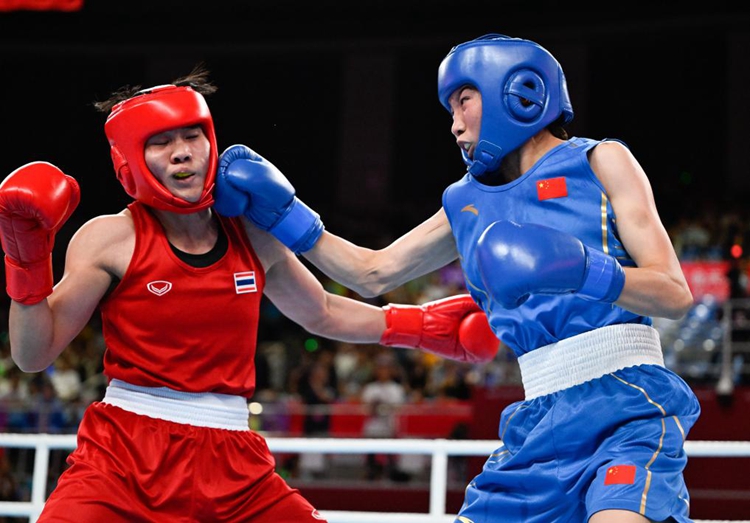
[29, 283]
[299, 229]
[403, 326]
[604, 278]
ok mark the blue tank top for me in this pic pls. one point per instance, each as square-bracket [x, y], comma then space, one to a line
[560, 191]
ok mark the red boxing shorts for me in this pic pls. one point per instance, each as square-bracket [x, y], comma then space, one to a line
[132, 468]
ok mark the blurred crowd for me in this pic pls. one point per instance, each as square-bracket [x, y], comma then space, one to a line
[315, 374]
[294, 365]
[710, 232]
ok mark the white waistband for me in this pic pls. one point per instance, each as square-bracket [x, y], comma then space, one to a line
[588, 356]
[217, 411]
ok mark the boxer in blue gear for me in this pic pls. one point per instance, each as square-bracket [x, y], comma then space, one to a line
[562, 246]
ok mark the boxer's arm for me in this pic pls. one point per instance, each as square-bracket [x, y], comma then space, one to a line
[300, 296]
[454, 327]
[657, 286]
[248, 184]
[372, 272]
[40, 332]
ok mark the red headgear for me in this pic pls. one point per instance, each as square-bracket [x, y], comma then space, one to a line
[156, 110]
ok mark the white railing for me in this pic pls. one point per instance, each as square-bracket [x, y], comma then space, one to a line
[439, 449]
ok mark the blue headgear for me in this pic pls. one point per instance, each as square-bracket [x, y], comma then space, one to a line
[523, 91]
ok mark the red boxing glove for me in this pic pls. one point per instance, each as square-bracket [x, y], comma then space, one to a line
[35, 201]
[454, 328]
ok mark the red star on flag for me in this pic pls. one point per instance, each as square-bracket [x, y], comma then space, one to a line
[620, 475]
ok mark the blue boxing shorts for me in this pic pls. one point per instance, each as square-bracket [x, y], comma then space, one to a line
[611, 442]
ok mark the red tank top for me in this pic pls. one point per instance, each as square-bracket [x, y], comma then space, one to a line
[168, 324]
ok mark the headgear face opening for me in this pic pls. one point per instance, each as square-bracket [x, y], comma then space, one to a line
[133, 121]
[523, 91]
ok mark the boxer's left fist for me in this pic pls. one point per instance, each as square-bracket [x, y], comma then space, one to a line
[518, 260]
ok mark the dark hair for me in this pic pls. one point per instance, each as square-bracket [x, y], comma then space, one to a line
[197, 79]
[557, 128]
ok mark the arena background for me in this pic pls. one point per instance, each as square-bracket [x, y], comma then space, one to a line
[342, 95]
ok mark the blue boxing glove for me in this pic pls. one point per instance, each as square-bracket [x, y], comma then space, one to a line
[248, 184]
[517, 260]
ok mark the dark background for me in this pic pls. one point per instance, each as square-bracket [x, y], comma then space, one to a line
[342, 95]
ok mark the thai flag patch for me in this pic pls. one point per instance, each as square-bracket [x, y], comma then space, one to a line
[244, 282]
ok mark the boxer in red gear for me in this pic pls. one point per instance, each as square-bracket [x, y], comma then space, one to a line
[179, 289]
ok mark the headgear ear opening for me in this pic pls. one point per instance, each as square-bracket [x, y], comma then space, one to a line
[523, 91]
[525, 95]
[122, 171]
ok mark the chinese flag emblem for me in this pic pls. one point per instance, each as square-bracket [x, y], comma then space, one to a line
[551, 188]
[620, 475]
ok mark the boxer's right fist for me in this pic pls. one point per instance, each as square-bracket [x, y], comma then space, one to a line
[35, 201]
[248, 184]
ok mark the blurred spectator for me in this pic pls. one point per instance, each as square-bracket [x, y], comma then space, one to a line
[276, 364]
[65, 379]
[360, 363]
[262, 371]
[452, 382]
[345, 361]
[383, 396]
[15, 396]
[691, 239]
[13, 385]
[737, 276]
[317, 393]
[417, 376]
[48, 414]
[385, 388]
[6, 362]
[9, 490]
